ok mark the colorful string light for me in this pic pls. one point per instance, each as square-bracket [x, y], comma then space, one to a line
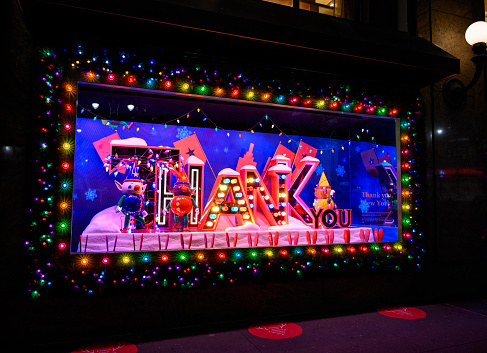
[49, 222]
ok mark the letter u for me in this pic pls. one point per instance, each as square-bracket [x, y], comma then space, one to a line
[345, 223]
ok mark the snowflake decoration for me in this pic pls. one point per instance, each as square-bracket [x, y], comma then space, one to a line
[340, 170]
[357, 149]
[319, 169]
[363, 206]
[91, 194]
[225, 150]
[183, 132]
[75, 196]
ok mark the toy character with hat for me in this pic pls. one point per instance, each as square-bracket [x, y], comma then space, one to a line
[183, 201]
[132, 201]
[324, 195]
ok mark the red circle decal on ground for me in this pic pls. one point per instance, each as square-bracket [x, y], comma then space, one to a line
[402, 312]
[108, 347]
[277, 330]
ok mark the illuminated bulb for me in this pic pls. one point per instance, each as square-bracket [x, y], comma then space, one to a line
[130, 107]
[476, 33]
[221, 194]
[236, 188]
[64, 205]
[95, 105]
[167, 84]
[84, 261]
[185, 86]
[223, 187]
[69, 88]
[111, 77]
[68, 107]
[67, 127]
[164, 258]
[62, 246]
[250, 94]
[215, 209]
[66, 146]
[126, 259]
[209, 224]
[235, 92]
[65, 165]
[105, 260]
[201, 256]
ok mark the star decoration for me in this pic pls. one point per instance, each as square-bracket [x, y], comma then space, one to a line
[190, 152]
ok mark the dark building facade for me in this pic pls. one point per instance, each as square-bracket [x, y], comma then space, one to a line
[400, 54]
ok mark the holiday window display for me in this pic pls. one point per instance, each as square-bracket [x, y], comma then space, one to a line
[59, 204]
[253, 189]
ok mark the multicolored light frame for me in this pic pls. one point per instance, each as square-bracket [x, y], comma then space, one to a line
[47, 239]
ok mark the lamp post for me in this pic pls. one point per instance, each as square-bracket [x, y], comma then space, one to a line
[454, 91]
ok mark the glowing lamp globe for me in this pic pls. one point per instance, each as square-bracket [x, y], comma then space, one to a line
[476, 33]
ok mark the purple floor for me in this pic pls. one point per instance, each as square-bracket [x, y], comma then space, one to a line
[447, 327]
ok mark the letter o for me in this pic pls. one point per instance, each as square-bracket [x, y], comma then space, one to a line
[333, 220]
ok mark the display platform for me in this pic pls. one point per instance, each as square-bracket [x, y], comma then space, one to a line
[121, 242]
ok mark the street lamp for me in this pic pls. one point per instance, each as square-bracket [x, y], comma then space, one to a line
[454, 91]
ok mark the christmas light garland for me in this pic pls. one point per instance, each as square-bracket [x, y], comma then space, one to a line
[53, 268]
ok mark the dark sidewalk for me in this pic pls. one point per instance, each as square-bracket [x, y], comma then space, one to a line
[457, 326]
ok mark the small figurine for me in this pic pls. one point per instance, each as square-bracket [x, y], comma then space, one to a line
[183, 201]
[324, 195]
[132, 201]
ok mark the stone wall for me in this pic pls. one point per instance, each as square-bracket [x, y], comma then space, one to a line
[456, 139]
